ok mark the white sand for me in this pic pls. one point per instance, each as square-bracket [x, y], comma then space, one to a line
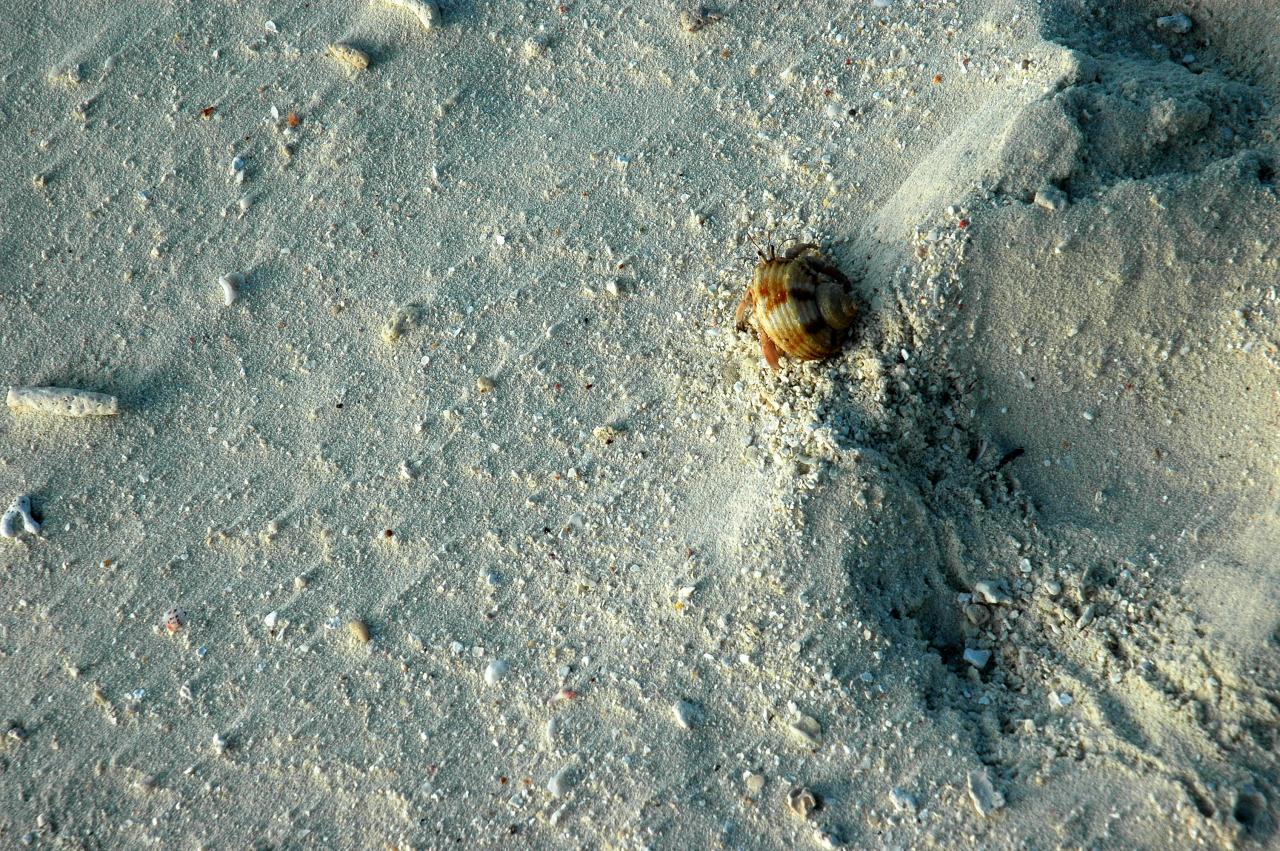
[625, 586]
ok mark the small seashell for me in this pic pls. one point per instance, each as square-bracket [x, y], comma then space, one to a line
[174, 620]
[801, 303]
[802, 801]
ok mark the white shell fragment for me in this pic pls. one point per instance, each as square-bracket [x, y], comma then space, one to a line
[352, 59]
[62, 402]
[986, 800]
[561, 782]
[427, 12]
[20, 509]
[497, 671]
[1051, 198]
[231, 284]
[687, 714]
[807, 730]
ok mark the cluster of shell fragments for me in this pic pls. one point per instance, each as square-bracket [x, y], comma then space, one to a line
[801, 303]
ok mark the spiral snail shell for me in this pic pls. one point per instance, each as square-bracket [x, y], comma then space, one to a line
[801, 303]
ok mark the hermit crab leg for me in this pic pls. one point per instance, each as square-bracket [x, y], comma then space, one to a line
[799, 248]
[740, 319]
[769, 349]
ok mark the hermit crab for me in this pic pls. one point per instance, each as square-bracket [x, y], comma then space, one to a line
[802, 304]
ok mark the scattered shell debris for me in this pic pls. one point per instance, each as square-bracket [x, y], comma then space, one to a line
[991, 592]
[62, 402]
[696, 18]
[403, 319]
[19, 509]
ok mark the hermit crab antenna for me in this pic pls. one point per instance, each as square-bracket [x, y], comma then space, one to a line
[759, 253]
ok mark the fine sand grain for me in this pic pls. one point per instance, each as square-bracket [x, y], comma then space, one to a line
[445, 507]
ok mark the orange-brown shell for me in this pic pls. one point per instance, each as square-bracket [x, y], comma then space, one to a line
[787, 296]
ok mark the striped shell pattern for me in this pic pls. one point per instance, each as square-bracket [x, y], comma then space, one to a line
[801, 303]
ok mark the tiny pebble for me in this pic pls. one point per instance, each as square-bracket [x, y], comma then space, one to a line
[902, 800]
[485, 384]
[496, 671]
[754, 783]
[1180, 24]
[1060, 699]
[535, 46]
[271, 620]
[359, 630]
[977, 658]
